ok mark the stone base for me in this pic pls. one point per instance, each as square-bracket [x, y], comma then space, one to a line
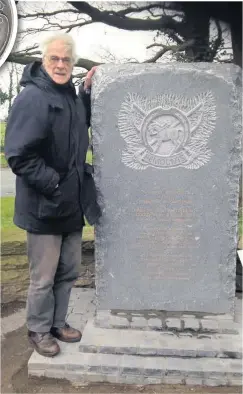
[167, 321]
[153, 343]
[140, 357]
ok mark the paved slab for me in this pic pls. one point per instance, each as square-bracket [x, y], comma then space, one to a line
[81, 308]
[162, 321]
[7, 182]
[88, 367]
[152, 343]
[12, 322]
[119, 368]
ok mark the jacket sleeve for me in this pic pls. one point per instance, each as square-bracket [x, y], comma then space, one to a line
[85, 97]
[25, 132]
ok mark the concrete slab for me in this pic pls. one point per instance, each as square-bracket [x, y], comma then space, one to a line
[197, 323]
[119, 368]
[153, 343]
[13, 322]
[88, 367]
[7, 182]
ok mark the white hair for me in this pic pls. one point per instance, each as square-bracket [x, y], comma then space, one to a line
[67, 40]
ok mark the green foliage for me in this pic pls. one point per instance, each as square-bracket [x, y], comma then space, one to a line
[2, 136]
[7, 207]
[89, 157]
[3, 96]
[3, 161]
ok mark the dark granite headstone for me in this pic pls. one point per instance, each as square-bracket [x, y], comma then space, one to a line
[167, 164]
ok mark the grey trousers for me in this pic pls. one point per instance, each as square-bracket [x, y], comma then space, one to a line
[54, 262]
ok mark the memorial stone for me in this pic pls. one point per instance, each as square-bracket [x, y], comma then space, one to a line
[167, 163]
[166, 141]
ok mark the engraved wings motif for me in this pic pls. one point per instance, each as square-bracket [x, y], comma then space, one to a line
[199, 110]
[129, 122]
[202, 125]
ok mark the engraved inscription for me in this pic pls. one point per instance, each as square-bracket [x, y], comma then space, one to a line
[167, 237]
[168, 131]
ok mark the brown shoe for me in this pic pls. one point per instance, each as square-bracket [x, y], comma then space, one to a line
[44, 343]
[66, 333]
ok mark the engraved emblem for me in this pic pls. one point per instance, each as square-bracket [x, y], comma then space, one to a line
[168, 131]
[8, 28]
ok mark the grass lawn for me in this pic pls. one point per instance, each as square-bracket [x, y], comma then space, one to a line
[2, 132]
[89, 157]
[9, 232]
[4, 163]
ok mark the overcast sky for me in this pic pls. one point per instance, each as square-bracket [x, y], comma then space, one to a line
[93, 41]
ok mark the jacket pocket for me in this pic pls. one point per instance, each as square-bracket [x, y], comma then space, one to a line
[64, 202]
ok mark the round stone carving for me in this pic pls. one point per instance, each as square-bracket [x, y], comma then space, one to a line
[8, 28]
[164, 132]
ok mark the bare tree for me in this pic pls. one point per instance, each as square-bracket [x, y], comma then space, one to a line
[11, 86]
[13, 71]
[191, 20]
[3, 96]
[182, 30]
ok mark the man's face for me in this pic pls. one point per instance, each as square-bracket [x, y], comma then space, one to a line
[58, 62]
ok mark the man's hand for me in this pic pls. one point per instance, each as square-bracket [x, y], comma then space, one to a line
[88, 79]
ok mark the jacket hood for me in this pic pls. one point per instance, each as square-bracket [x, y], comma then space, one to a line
[32, 75]
[35, 74]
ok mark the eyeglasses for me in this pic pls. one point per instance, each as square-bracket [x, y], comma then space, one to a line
[67, 61]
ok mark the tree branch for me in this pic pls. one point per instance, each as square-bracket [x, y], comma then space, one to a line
[26, 50]
[130, 10]
[159, 54]
[46, 14]
[216, 44]
[23, 59]
[174, 36]
[155, 45]
[79, 75]
[165, 48]
[87, 63]
[112, 18]
[49, 26]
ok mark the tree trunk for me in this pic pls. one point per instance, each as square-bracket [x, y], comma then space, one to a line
[10, 90]
[197, 28]
[236, 36]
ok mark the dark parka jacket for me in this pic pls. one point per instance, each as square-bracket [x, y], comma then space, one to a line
[46, 144]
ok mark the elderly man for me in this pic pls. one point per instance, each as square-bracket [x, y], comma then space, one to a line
[46, 145]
